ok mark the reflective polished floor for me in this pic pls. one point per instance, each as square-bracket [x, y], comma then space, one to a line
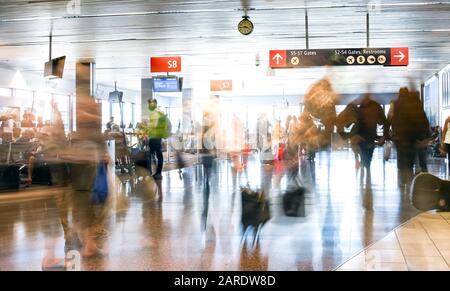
[421, 244]
[346, 211]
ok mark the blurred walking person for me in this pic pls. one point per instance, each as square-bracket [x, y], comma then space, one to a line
[370, 115]
[53, 144]
[208, 150]
[410, 127]
[90, 162]
[320, 104]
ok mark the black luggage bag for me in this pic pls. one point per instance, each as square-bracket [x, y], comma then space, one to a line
[9, 177]
[294, 202]
[255, 209]
[140, 158]
[42, 175]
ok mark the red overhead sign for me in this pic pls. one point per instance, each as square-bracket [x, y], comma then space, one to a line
[221, 85]
[165, 64]
[278, 59]
[399, 56]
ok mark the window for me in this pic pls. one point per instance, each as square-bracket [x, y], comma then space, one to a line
[176, 118]
[23, 93]
[5, 92]
[74, 112]
[431, 100]
[113, 109]
[62, 103]
[42, 106]
[116, 112]
[105, 113]
[445, 77]
[127, 114]
[133, 113]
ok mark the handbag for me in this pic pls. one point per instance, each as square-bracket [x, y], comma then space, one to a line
[100, 190]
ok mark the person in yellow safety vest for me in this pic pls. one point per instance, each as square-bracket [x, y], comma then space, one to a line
[159, 127]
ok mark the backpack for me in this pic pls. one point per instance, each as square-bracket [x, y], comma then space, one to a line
[165, 126]
[161, 128]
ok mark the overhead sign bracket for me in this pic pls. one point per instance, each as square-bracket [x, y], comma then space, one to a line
[306, 29]
[367, 29]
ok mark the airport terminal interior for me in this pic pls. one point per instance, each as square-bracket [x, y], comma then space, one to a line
[225, 135]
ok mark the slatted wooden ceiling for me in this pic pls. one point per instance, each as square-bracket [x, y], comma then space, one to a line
[122, 35]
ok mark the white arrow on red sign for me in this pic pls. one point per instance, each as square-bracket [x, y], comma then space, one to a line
[278, 58]
[401, 56]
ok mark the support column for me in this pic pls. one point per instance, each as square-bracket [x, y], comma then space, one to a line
[88, 127]
[85, 84]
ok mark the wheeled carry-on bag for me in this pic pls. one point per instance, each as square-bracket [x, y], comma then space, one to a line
[294, 202]
[255, 209]
[294, 199]
[140, 158]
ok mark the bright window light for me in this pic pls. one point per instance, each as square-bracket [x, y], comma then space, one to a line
[24, 94]
[18, 81]
[4, 92]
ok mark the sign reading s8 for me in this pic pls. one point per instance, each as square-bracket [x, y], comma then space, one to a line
[172, 64]
[165, 64]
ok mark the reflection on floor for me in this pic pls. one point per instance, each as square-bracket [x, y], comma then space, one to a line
[346, 211]
[421, 244]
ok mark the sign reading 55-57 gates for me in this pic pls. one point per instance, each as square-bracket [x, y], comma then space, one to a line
[339, 57]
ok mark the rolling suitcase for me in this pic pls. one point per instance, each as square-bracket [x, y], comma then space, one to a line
[294, 202]
[429, 192]
[41, 175]
[294, 197]
[140, 158]
[255, 209]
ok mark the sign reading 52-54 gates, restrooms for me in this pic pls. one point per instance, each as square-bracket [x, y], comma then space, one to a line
[339, 57]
